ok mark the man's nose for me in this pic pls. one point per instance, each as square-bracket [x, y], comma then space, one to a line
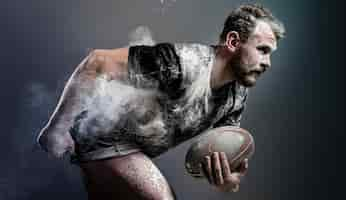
[266, 63]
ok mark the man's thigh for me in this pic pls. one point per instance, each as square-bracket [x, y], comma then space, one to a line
[133, 176]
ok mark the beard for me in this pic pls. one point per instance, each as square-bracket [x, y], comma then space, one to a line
[242, 72]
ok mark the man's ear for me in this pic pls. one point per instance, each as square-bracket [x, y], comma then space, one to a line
[232, 40]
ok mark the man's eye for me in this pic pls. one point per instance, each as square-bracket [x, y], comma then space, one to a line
[264, 50]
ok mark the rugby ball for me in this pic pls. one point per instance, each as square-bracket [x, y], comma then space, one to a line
[236, 142]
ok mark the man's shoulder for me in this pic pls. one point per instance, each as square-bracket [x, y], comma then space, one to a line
[195, 59]
[112, 62]
[183, 50]
[118, 54]
[171, 62]
[196, 47]
[194, 53]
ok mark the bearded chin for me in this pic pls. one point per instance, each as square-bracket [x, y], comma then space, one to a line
[243, 77]
[247, 82]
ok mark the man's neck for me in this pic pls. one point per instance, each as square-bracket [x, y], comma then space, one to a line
[221, 73]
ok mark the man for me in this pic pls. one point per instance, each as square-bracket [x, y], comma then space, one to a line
[122, 107]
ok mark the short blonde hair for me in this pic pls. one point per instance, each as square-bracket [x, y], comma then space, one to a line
[244, 19]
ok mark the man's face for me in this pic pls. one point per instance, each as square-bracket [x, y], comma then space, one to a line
[253, 56]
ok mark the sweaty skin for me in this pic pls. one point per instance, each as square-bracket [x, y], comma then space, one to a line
[130, 177]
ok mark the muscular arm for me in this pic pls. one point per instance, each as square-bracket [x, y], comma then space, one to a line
[133, 176]
[108, 64]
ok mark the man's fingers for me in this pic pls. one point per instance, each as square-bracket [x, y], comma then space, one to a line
[229, 176]
[234, 178]
[217, 171]
[226, 170]
[235, 188]
[207, 169]
[243, 167]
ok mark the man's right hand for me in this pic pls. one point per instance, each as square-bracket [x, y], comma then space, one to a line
[218, 172]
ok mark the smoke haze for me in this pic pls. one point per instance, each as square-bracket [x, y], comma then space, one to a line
[295, 113]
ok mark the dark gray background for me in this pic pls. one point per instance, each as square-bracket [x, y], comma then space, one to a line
[296, 112]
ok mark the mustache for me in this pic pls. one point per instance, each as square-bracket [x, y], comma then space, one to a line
[258, 71]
